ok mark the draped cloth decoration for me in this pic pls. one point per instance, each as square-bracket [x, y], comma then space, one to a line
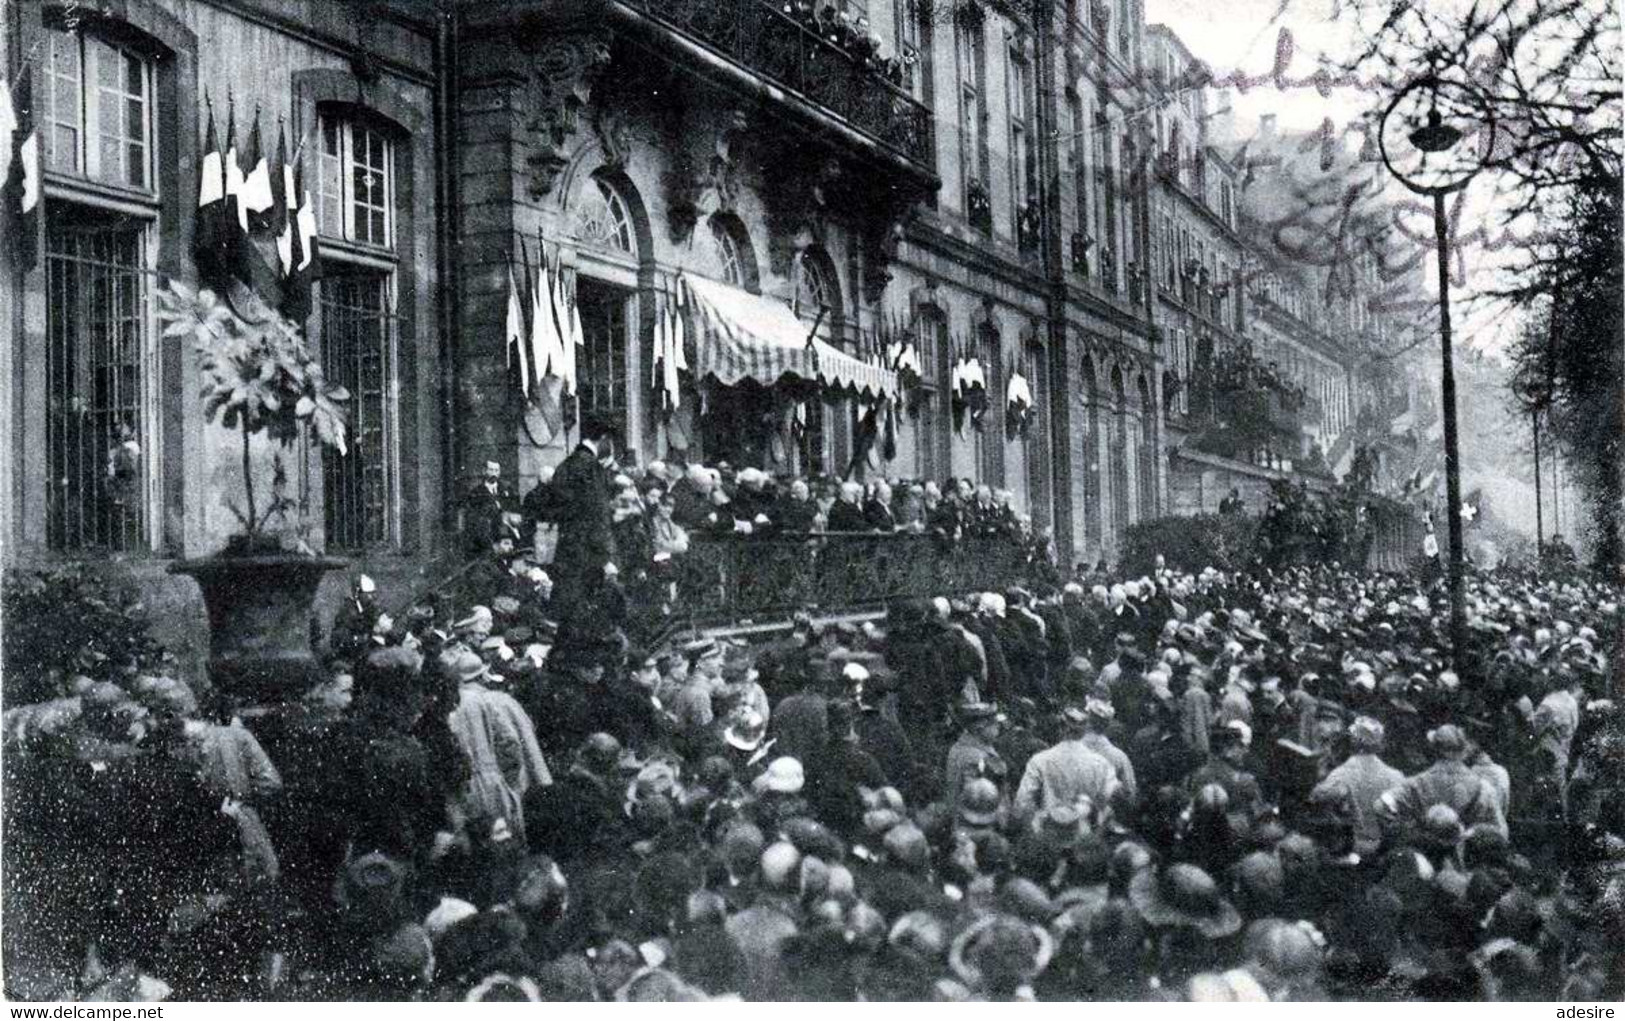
[739, 335]
[1018, 399]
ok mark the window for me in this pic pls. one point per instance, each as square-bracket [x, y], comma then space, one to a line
[934, 365]
[1033, 442]
[1090, 444]
[916, 55]
[358, 347]
[1107, 215]
[603, 371]
[98, 111]
[1145, 456]
[813, 289]
[1018, 91]
[1118, 450]
[1080, 160]
[972, 59]
[989, 441]
[603, 221]
[355, 183]
[727, 252]
[99, 363]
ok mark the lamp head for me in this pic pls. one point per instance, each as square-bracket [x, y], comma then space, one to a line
[1435, 135]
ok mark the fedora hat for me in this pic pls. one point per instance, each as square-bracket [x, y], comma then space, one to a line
[1000, 950]
[979, 802]
[463, 665]
[784, 775]
[1183, 895]
[744, 729]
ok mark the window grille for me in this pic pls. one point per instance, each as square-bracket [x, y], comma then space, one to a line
[99, 367]
[358, 352]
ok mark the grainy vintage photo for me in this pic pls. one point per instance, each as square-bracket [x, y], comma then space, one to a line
[835, 500]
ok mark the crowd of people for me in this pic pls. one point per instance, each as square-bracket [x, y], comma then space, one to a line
[853, 33]
[611, 537]
[1213, 787]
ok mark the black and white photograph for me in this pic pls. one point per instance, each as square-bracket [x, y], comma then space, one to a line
[812, 500]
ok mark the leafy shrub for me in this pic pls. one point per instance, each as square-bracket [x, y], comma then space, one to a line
[67, 620]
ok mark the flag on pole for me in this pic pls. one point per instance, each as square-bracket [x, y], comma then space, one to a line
[22, 190]
[212, 245]
[234, 169]
[256, 194]
[544, 346]
[518, 338]
[284, 200]
[303, 257]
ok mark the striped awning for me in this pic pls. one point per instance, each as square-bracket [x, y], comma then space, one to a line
[739, 335]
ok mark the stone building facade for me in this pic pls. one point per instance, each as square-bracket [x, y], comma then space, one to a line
[990, 182]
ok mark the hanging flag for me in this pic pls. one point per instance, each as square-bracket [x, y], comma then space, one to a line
[234, 169]
[256, 195]
[679, 325]
[283, 202]
[1018, 398]
[545, 347]
[213, 230]
[517, 338]
[546, 342]
[864, 441]
[303, 256]
[8, 122]
[888, 434]
[22, 188]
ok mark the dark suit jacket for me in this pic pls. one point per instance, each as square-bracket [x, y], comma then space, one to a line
[482, 514]
[580, 505]
[879, 516]
[796, 515]
[846, 517]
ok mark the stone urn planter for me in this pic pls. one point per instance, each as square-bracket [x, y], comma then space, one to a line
[260, 607]
[259, 379]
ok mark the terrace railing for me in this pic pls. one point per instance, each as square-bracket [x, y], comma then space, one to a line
[767, 41]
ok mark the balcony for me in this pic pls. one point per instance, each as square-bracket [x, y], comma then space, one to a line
[785, 50]
[1269, 407]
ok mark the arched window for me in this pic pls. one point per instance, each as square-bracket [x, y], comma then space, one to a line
[732, 259]
[1037, 458]
[727, 255]
[1145, 457]
[989, 442]
[813, 288]
[1091, 453]
[603, 220]
[1119, 444]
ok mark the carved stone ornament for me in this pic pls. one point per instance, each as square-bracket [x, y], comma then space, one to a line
[705, 173]
[614, 135]
[800, 201]
[564, 66]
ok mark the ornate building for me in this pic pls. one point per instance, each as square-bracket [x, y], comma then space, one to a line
[992, 184]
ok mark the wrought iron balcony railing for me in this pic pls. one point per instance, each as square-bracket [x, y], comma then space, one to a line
[766, 41]
[738, 579]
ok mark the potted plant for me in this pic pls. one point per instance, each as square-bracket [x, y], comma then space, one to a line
[259, 379]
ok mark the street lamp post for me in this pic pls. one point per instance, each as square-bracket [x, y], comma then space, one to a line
[1436, 137]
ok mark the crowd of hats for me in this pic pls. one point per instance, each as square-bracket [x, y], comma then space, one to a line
[718, 872]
